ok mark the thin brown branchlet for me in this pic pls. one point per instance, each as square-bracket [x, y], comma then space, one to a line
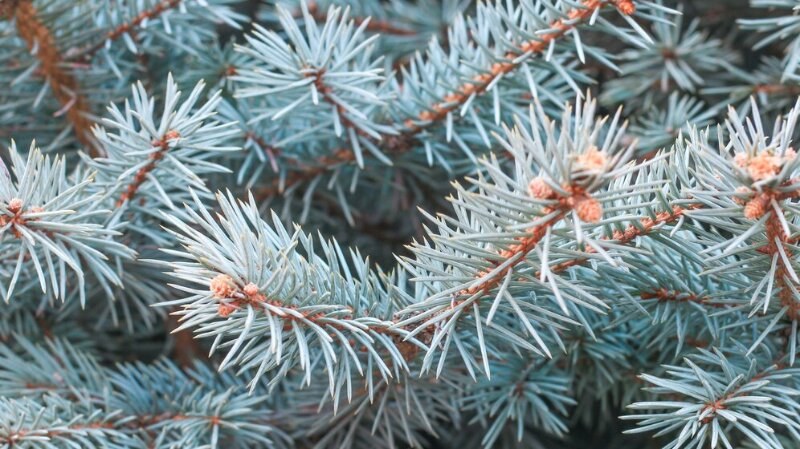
[373, 25]
[664, 295]
[631, 232]
[19, 436]
[65, 87]
[231, 297]
[163, 145]
[131, 26]
[480, 83]
[777, 240]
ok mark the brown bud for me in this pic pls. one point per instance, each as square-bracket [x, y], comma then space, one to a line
[538, 188]
[626, 7]
[222, 286]
[757, 207]
[426, 116]
[14, 206]
[172, 135]
[225, 309]
[588, 210]
[250, 289]
[592, 160]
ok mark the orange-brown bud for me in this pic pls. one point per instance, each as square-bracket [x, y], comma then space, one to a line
[538, 188]
[222, 286]
[588, 210]
[14, 206]
[757, 207]
[250, 289]
[626, 7]
[225, 309]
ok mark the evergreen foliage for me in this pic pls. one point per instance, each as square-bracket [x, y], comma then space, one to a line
[399, 223]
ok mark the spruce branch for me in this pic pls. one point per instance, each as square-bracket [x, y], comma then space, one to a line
[384, 415]
[273, 319]
[628, 236]
[483, 253]
[169, 153]
[480, 60]
[534, 30]
[157, 405]
[41, 42]
[129, 22]
[680, 59]
[778, 29]
[58, 424]
[304, 172]
[46, 77]
[579, 261]
[51, 224]
[404, 26]
[757, 183]
[153, 157]
[515, 56]
[517, 384]
[329, 64]
[129, 26]
[376, 26]
[765, 82]
[659, 128]
[716, 397]
[679, 303]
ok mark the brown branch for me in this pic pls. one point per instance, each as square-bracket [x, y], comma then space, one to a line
[766, 202]
[490, 278]
[481, 82]
[375, 26]
[305, 172]
[777, 89]
[774, 232]
[646, 225]
[141, 175]
[129, 27]
[232, 297]
[137, 422]
[519, 250]
[12, 438]
[145, 421]
[665, 295]
[62, 82]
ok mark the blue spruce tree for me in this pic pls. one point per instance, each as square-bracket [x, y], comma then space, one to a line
[399, 224]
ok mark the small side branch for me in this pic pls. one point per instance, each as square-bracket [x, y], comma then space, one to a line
[132, 25]
[481, 82]
[63, 83]
[163, 146]
[375, 26]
